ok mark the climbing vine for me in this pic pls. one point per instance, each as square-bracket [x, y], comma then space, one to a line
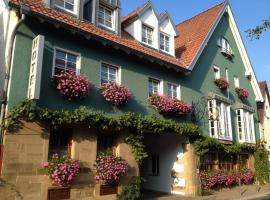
[261, 165]
[137, 147]
[205, 144]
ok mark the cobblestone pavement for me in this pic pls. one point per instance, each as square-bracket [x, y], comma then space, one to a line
[251, 192]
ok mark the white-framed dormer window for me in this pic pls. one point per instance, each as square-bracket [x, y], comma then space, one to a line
[174, 91]
[154, 86]
[236, 82]
[109, 73]
[65, 60]
[225, 46]
[245, 126]
[216, 72]
[164, 42]
[67, 5]
[219, 114]
[106, 17]
[147, 34]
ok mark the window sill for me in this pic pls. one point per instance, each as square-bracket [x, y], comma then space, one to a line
[112, 30]
[61, 9]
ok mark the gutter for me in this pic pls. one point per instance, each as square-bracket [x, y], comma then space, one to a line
[24, 9]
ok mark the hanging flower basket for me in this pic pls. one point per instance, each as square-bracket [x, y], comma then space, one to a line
[61, 170]
[222, 83]
[242, 93]
[168, 105]
[71, 86]
[116, 94]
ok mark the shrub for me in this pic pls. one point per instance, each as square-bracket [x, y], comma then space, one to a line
[132, 191]
[70, 85]
[222, 83]
[242, 93]
[109, 169]
[115, 94]
[168, 105]
[62, 170]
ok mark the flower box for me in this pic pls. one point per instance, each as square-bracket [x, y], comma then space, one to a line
[108, 189]
[168, 105]
[242, 93]
[58, 193]
[70, 85]
[116, 94]
[222, 83]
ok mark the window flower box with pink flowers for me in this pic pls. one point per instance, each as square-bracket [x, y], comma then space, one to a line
[109, 170]
[168, 105]
[115, 94]
[242, 93]
[222, 83]
[70, 85]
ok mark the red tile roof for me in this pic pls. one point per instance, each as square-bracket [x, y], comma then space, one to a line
[194, 31]
[265, 92]
[40, 9]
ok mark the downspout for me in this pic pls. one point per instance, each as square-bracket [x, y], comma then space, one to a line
[7, 76]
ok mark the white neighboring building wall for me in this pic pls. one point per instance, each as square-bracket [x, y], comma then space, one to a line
[8, 20]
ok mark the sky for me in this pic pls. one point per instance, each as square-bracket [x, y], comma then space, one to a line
[247, 13]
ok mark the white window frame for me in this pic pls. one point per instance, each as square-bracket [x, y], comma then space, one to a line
[216, 72]
[246, 125]
[164, 35]
[78, 62]
[147, 39]
[219, 116]
[178, 90]
[225, 46]
[118, 72]
[236, 82]
[160, 86]
[75, 7]
[112, 17]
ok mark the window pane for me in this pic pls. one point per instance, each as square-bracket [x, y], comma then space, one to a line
[60, 54]
[60, 63]
[69, 7]
[59, 3]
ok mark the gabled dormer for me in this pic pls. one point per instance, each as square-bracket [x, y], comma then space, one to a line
[103, 13]
[152, 30]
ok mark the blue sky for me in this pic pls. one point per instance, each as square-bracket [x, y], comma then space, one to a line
[248, 14]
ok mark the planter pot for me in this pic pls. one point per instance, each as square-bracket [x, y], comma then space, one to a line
[108, 189]
[58, 193]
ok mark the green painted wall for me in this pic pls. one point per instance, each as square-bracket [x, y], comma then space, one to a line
[134, 72]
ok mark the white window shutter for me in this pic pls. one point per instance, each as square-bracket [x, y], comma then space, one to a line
[252, 129]
[229, 120]
[242, 124]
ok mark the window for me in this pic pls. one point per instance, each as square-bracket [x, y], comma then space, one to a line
[219, 119]
[65, 61]
[67, 5]
[106, 144]
[225, 46]
[217, 72]
[164, 42]
[236, 82]
[105, 17]
[153, 86]
[60, 142]
[109, 74]
[174, 91]
[147, 35]
[245, 125]
[155, 164]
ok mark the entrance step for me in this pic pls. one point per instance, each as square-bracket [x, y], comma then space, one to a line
[106, 197]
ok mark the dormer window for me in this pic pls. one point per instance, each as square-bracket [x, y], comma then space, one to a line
[164, 42]
[225, 47]
[147, 35]
[67, 5]
[106, 17]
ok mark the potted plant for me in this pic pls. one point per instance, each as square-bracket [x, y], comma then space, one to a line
[116, 94]
[70, 85]
[242, 93]
[109, 169]
[222, 83]
[168, 105]
[62, 171]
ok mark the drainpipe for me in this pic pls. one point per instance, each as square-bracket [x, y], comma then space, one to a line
[23, 10]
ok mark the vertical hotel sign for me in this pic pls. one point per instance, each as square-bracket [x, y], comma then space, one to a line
[36, 68]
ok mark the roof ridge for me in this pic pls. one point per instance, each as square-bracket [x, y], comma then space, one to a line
[134, 11]
[199, 14]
